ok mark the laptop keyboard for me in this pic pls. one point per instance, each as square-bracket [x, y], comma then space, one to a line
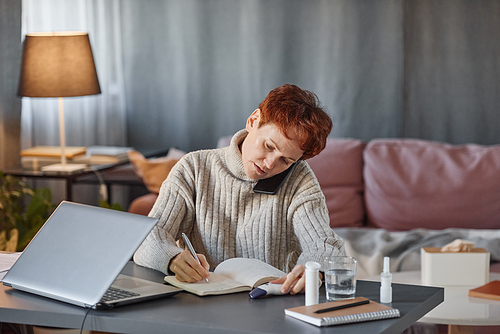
[116, 294]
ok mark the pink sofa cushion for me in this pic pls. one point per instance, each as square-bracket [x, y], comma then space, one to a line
[339, 170]
[421, 184]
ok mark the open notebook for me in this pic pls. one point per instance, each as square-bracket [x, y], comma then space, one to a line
[230, 276]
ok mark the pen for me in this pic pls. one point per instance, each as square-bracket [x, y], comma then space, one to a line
[191, 249]
[340, 307]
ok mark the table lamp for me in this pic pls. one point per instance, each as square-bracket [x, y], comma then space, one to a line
[58, 64]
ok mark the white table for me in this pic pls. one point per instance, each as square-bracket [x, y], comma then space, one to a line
[459, 311]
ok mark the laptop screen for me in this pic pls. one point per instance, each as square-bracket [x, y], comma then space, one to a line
[79, 252]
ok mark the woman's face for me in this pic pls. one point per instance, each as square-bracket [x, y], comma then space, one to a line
[266, 151]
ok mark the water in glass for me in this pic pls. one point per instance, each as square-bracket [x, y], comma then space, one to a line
[340, 284]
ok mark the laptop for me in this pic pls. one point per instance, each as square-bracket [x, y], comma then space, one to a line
[78, 254]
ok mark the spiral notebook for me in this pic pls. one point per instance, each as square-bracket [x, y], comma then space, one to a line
[367, 312]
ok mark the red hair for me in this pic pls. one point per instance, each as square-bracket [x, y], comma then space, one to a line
[291, 108]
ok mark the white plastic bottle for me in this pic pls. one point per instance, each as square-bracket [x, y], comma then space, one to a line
[386, 281]
[312, 283]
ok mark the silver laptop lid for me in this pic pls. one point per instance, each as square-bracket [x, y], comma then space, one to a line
[78, 253]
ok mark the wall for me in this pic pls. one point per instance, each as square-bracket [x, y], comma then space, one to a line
[10, 61]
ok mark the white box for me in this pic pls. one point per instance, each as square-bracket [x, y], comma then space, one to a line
[454, 269]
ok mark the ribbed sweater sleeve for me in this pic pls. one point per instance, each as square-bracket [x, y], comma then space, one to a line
[208, 196]
[173, 207]
[310, 218]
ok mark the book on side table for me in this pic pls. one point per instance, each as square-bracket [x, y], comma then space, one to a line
[490, 290]
[367, 312]
[99, 155]
[53, 151]
[41, 156]
[233, 275]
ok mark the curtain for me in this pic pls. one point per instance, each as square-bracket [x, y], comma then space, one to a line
[452, 70]
[195, 70]
[183, 73]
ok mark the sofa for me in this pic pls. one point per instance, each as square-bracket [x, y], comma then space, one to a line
[390, 197]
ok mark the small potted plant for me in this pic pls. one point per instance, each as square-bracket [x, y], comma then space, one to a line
[23, 211]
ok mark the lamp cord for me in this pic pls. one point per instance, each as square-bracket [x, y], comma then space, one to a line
[103, 191]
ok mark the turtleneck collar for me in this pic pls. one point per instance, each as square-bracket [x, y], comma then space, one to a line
[233, 156]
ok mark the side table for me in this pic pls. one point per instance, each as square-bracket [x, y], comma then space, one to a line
[459, 311]
[88, 175]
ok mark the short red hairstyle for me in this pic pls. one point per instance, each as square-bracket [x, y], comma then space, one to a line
[292, 108]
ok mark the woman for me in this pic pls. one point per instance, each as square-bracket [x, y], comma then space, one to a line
[209, 196]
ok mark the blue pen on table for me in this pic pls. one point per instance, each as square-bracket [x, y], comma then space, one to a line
[191, 249]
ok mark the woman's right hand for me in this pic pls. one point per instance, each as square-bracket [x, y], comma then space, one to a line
[187, 269]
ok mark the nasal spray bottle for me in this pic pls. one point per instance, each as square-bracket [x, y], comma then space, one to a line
[312, 283]
[386, 280]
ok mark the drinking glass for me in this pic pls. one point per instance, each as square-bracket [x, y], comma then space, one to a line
[340, 277]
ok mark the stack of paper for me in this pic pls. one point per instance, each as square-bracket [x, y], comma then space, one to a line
[6, 261]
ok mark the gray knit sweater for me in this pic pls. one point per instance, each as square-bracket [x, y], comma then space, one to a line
[208, 196]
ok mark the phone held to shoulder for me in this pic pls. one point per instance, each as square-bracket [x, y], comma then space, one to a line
[271, 185]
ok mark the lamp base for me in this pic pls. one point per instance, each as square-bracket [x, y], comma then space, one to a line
[63, 168]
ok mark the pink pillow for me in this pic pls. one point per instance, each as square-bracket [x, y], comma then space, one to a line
[422, 184]
[339, 169]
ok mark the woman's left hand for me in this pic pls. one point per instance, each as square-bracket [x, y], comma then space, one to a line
[295, 281]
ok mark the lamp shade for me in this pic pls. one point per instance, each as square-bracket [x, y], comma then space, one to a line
[58, 64]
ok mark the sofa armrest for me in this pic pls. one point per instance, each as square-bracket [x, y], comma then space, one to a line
[142, 205]
[339, 170]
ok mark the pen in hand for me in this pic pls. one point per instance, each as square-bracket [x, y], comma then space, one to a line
[191, 249]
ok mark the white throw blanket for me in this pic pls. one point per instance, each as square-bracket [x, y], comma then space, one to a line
[370, 246]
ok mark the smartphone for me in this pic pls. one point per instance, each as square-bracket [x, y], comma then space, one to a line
[271, 185]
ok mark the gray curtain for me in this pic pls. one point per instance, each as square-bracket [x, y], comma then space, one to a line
[185, 72]
[452, 70]
[192, 71]
[195, 69]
